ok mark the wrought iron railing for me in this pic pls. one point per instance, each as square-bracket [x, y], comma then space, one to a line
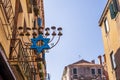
[24, 59]
[9, 15]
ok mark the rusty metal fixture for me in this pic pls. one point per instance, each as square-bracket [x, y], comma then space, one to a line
[20, 28]
[54, 34]
[47, 29]
[27, 34]
[21, 34]
[34, 34]
[59, 29]
[47, 33]
[60, 34]
[53, 27]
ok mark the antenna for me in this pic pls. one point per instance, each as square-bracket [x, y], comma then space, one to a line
[79, 56]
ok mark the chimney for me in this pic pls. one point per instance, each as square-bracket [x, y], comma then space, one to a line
[93, 61]
[100, 59]
[104, 58]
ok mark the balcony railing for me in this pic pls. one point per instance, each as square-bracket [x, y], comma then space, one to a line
[7, 10]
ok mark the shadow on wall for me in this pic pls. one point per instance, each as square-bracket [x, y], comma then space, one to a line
[117, 60]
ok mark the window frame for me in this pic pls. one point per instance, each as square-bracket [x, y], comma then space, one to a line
[76, 72]
[113, 6]
[100, 71]
[112, 58]
[106, 26]
[92, 71]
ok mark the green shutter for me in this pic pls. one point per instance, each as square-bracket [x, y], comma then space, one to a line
[112, 13]
[115, 7]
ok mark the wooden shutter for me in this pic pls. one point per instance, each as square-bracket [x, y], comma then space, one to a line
[112, 13]
[115, 6]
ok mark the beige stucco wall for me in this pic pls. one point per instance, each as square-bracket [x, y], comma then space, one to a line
[13, 4]
[4, 34]
[5, 30]
[111, 42]
[24, 7]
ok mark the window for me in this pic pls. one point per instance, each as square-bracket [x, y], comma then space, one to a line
[106, 25]
[99, 71]
[113, 60]
[74, 70]
[93, 71]
[75, 77]
[113, 9]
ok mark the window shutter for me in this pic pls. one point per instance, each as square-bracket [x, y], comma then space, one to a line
[39, 22]
[112, 13]
[115, 7]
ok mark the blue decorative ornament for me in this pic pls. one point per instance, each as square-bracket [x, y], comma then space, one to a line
[42, 47]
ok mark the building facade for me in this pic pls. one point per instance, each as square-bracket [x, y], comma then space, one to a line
[83, 70]
[17, 60]
[110, 28]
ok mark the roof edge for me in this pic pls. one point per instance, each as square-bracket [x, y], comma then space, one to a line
[104, 12]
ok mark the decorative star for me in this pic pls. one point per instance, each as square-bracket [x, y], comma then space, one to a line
[39, 49]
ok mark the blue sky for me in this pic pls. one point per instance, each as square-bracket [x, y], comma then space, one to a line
[81, 38]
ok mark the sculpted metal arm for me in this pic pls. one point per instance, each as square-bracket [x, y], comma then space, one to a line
[41, 35]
